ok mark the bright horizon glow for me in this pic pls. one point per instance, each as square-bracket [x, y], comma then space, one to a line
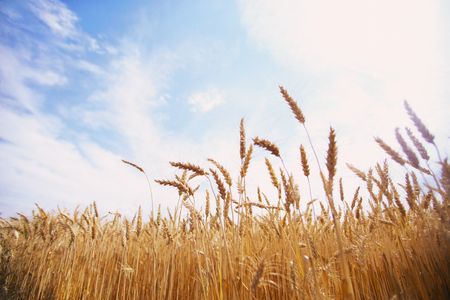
[86, 84]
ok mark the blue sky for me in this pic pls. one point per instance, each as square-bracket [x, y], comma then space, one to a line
[84, 84]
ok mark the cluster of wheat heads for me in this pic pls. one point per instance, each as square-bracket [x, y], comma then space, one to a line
[397, 249]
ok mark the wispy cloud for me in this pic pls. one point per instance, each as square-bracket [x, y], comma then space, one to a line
[204, 101]
[58, 18]
[62, 23]
[379, 38]
[90, 67]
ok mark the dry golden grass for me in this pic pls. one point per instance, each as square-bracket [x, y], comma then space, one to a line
[386, 252]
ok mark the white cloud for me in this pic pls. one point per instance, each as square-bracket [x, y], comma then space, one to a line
[10, 13]
[204, 101]
[53, 21]
[16, 71]
[395, 45]
[46, 77]
[110, 49]
[57, 16]
[126, 103]
[39, 166]
[85, 65]
[382, 36]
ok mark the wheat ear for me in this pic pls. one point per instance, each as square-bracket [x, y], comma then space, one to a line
[422, 151]
[393, 154]
[421, 128]
[294, 107]
[246, 163]
[179, 185]
[242, 139]
[190, 167]
[273, 177]
[258, 274]
[224, 172]
[412, 157]
[331, 157]
[267, 145]
[220, 185]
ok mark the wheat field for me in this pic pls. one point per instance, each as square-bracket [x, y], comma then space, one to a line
[396, 249]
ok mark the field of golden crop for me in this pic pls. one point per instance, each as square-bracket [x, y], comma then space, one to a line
[397, 249]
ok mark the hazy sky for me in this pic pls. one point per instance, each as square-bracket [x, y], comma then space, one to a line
[84, 84]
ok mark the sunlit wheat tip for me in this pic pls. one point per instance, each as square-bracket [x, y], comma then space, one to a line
[294, 107]
[136, 166]
[246, 163]
[420, 126]
[360, 174]
[406, 149]
[420, 148]
[207, 206]
[23, 217]
[242, 139]
[393, 154]
[267, 145]
[331, 156]
[224, 172]
[139, 222]
[219, 183]
[95, 210]
[273, 176]
[180, 186]
[190, 167]
[166, 231]
[355, 198]
[304, 160]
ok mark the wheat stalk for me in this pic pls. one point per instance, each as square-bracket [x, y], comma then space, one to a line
[148, 181]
